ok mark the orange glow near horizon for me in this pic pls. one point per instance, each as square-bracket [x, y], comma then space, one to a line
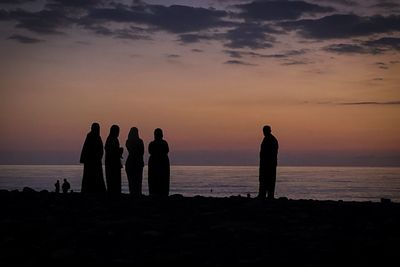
[207, 111]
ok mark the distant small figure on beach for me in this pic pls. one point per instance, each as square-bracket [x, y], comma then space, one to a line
[113, 161]
[91, 157]
[134, 163]
[159, 169]
[57, 186]
[268, 163]
[65, 186]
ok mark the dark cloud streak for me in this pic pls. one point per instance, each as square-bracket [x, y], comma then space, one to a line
[16, 2]
[174, 19]
[347, 49]
[388, 5]
[190, 38]
[344, 26]
[131, 33]
[24, 39]
[239, 62]
[369, 103]
[340, 2]
[173, 56]
[374, 47]
[385, 42]
[253, 36]
[279, 10]
[296, 62]
[42, 22]
[282, 55]
[77, 3]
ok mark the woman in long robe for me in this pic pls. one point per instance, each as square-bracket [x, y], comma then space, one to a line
[91, 156]
[134, 163]
[159, 169]
[113, 161]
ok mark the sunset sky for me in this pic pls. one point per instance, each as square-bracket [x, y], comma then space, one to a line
[324, 74]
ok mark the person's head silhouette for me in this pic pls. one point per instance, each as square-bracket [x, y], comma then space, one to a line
[133, 134]
[266, 130]
[95, 128]
[114, 131]
[158, 134]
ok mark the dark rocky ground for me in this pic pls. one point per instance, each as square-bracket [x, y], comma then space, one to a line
[38, 229]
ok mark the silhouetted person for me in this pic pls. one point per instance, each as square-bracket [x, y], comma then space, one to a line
[113, 161]
[91, 156]
[268, 163]
[134, 163]
[159, 173]
[65, 186]
[57, 185]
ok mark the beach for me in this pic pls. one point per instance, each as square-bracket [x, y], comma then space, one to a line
[40, 228]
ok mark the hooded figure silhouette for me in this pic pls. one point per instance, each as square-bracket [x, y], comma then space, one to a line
[113, 161]
[159, 170]
[91, 156]
[134, 163]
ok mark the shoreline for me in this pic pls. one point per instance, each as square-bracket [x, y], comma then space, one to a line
[65, 229]
[28, 191]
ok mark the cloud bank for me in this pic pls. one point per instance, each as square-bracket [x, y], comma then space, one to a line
[257, 25]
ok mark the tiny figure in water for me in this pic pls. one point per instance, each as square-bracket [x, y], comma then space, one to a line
[65, 186]
[57, 185]
[268, 163]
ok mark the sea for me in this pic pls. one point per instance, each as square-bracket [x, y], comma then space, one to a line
[319, 183]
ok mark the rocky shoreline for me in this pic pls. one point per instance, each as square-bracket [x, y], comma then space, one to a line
[39, 228]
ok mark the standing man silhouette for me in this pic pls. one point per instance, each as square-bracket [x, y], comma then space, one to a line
[268, 163]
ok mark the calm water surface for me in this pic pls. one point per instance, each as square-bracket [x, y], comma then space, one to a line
[323, 183]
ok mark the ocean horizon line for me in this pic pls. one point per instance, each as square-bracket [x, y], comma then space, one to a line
[217, 165]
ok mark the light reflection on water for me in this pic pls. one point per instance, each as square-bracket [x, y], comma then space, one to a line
[335, 183]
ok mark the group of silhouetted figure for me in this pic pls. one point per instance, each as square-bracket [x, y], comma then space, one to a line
[66, 186]
[158, 164]
[92, 155]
